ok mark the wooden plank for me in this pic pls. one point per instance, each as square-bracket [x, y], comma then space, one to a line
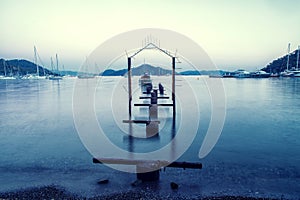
[186, 165]
[159, 97]
[130, 162]
[165, 104]
[137, 121]
[153, 163]
[142, 104]
[148, 104]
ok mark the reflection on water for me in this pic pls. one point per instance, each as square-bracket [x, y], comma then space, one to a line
[100, 122]
[258, 150]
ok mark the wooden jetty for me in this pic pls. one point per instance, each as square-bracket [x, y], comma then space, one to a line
[148, 170]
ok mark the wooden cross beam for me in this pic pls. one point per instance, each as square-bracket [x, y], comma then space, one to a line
[151, 163]
[148, 104]
[156, 97]
[136, 121]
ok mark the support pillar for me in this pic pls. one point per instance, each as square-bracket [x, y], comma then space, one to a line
[129, 86]
[173, 87]
[146, 176]
[152, 128]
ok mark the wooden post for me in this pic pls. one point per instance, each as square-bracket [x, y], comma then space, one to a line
[173, 87]
[129, 86]
[152, 127]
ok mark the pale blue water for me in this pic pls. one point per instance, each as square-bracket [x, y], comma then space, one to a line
[256, 155]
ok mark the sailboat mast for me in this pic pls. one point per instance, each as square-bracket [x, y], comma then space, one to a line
[35, 60]
[297, 65]
[288, 57]
[56, 62]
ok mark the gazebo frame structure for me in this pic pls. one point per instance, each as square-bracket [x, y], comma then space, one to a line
[129, 74]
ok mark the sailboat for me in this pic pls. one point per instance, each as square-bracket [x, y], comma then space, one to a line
[37, 66]
[5, 73]
[37, 75]
[56, 76]
[287, 72]
[297, 71]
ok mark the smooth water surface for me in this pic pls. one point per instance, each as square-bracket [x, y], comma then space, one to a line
[257, 153]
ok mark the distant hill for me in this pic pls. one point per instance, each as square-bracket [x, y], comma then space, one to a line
[145, 68]
[111, 72]
[279, 65]
[138, 71]
[20, 67]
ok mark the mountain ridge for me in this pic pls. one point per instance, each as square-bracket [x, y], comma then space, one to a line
[279, 65]
[21, 67]
[138, 71]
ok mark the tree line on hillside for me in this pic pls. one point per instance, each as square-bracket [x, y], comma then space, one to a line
[21, 67]
[280, 64]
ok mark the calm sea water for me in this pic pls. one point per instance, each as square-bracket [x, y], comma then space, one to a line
[257, 153]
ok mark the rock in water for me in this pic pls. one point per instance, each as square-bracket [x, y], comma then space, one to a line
[103, 181]
[174, 186]
[136, 183]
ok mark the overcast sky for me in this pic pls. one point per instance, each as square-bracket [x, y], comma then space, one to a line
[234, 33]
